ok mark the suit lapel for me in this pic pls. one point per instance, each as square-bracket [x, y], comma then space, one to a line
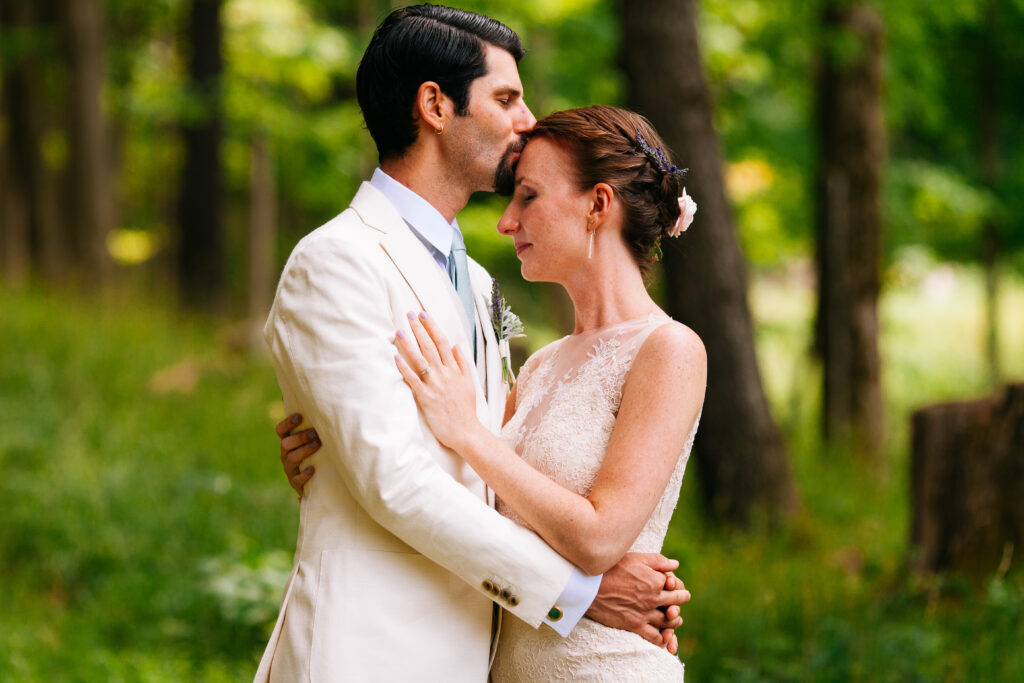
[429, 284]
[494, 382]
[488, 359]
[433, 290]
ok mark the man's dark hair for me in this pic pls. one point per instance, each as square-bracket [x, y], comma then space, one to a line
[418, 44]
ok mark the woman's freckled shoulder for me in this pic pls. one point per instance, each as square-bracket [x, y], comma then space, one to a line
[675, 341]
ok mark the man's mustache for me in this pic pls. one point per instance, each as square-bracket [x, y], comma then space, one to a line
[505, 174]
[515, 147]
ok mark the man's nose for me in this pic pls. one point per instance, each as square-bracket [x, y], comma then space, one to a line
[526, 120]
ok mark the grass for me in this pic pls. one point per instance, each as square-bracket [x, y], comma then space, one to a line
[136, 455]
[147, 531]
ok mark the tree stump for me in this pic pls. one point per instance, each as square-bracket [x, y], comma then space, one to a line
[967, 484]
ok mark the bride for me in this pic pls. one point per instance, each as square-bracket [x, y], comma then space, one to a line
[599, 425]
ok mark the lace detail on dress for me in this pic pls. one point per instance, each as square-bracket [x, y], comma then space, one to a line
[568, 398]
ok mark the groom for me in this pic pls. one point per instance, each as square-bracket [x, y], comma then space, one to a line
[400, 553]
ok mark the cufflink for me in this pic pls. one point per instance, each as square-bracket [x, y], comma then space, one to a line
[554, 614]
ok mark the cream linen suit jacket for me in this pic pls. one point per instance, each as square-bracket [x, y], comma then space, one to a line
[399, 552]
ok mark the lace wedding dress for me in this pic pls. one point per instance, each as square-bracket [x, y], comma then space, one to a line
[568, 395]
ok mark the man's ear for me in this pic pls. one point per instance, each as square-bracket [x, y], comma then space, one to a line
[433, 107]
[601, 200]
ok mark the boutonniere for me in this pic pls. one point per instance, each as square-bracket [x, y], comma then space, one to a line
[507, 325]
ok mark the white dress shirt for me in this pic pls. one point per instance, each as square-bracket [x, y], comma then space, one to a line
[435, 233]
[426, 222]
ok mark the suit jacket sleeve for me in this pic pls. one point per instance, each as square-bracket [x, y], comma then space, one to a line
[330, 332]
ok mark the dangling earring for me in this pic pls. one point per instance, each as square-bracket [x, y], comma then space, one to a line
[590, 249]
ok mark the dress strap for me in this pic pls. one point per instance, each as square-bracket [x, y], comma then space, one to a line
[635, 338]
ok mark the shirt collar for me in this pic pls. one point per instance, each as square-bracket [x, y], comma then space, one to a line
[420, 214]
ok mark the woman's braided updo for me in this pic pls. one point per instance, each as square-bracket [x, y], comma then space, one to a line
[603, 143]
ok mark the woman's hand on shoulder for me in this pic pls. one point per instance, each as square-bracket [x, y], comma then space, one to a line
[440, 377]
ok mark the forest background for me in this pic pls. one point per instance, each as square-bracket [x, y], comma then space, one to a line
[160, 158]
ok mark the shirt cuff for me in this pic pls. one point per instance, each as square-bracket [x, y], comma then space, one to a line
[573, 603]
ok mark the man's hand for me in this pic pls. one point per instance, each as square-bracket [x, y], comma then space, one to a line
[296, 447]
[640, 594]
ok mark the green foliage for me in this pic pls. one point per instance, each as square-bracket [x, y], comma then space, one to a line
[571, 47]
[285, 69]
[933, 205]
[246, 581]
[758, 62]
[290, 80]
[941, 59]
[290, 77]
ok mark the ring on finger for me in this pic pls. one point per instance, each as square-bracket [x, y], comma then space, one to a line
[424, 371]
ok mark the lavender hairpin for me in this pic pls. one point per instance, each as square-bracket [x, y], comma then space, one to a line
[660, 159]
[687, 207]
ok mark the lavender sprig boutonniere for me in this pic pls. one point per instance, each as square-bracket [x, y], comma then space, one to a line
[507, 325]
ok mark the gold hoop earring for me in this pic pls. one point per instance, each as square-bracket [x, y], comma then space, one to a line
[590, 249]
[440, 130]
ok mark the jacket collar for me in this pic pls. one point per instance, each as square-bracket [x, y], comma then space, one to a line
[432, 288]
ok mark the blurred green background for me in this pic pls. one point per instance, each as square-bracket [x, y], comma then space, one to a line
[146, 530]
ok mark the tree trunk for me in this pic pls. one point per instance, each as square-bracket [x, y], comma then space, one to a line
[201, 250]
[262, 223]
[967, 483]
[13, 220]
[13, 211]
[990, 258]
[89, 177]
[741, 461]
[988, 153]
[851, 140]
[35, 234]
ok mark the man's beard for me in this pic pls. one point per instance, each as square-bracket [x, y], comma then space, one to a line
[505, 174]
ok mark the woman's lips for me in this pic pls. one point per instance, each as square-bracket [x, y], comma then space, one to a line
[520, 248]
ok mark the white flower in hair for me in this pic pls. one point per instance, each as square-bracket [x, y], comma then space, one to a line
[687, 209]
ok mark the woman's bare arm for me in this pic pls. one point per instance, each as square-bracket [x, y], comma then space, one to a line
[660, 403]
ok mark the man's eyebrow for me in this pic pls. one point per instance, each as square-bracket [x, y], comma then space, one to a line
[508, 90]
[522, 179]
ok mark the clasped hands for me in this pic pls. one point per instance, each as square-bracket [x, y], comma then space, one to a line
[640, 594]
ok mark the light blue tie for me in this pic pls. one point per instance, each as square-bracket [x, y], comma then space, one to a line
[458, 272]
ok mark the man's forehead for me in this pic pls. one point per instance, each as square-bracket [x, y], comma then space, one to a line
[502, 71]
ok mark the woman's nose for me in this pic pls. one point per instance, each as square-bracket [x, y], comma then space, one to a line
[507, 224]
